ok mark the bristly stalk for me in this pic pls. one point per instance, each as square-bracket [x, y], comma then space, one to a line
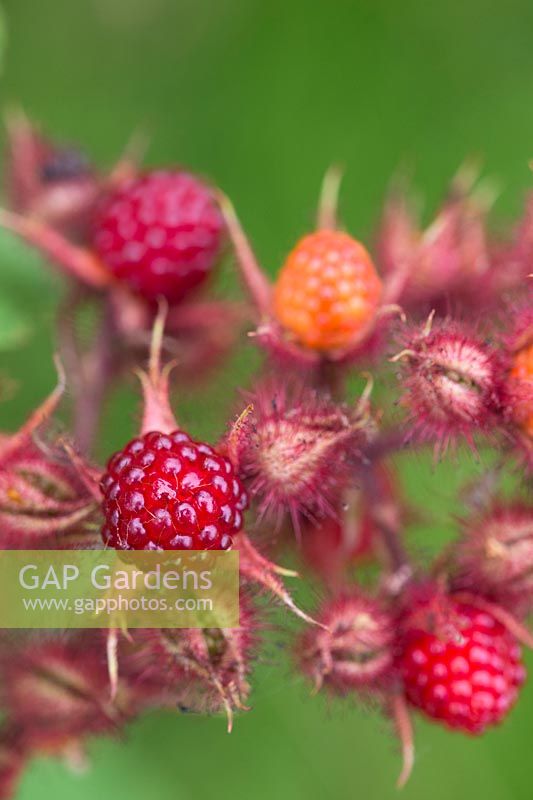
[92, 373]
[255, 279]
[385, 513]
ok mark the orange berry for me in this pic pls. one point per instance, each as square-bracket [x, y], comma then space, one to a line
[327, 291]
[522, 371]
[523, 364]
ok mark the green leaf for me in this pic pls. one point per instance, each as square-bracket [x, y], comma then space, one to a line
[23, 272]
[3, 38]
[15, 327]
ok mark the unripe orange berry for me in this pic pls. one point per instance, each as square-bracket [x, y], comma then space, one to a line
[523, 364]
[327, 291]
[522, 371]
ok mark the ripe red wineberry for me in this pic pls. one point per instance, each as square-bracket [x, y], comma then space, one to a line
[171, 493]
[160, 233]
[460, 666]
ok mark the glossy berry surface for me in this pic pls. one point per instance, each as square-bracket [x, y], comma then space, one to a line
[468, 674]
[171, 493]
[160, 233]
[327, 291]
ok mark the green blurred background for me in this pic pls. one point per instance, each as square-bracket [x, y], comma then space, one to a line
[262, 95]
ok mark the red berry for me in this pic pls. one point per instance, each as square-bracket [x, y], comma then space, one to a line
[160, 233]
[460, 666]
[168, 492]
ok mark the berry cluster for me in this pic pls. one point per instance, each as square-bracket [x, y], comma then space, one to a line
[314, 469]
[456, 662]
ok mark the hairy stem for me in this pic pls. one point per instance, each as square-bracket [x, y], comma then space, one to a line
[391, 440]
[386, 516]
[391, 538]
[90, 372]
[98, 369]
[329, 378]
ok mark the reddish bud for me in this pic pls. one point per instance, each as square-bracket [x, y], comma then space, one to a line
[449, 259]
[354, 649]
[452, 383]
[55, 691]
[43, 501]
[297, 450]
[198, 670]
[495, 556]
[46, 181]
